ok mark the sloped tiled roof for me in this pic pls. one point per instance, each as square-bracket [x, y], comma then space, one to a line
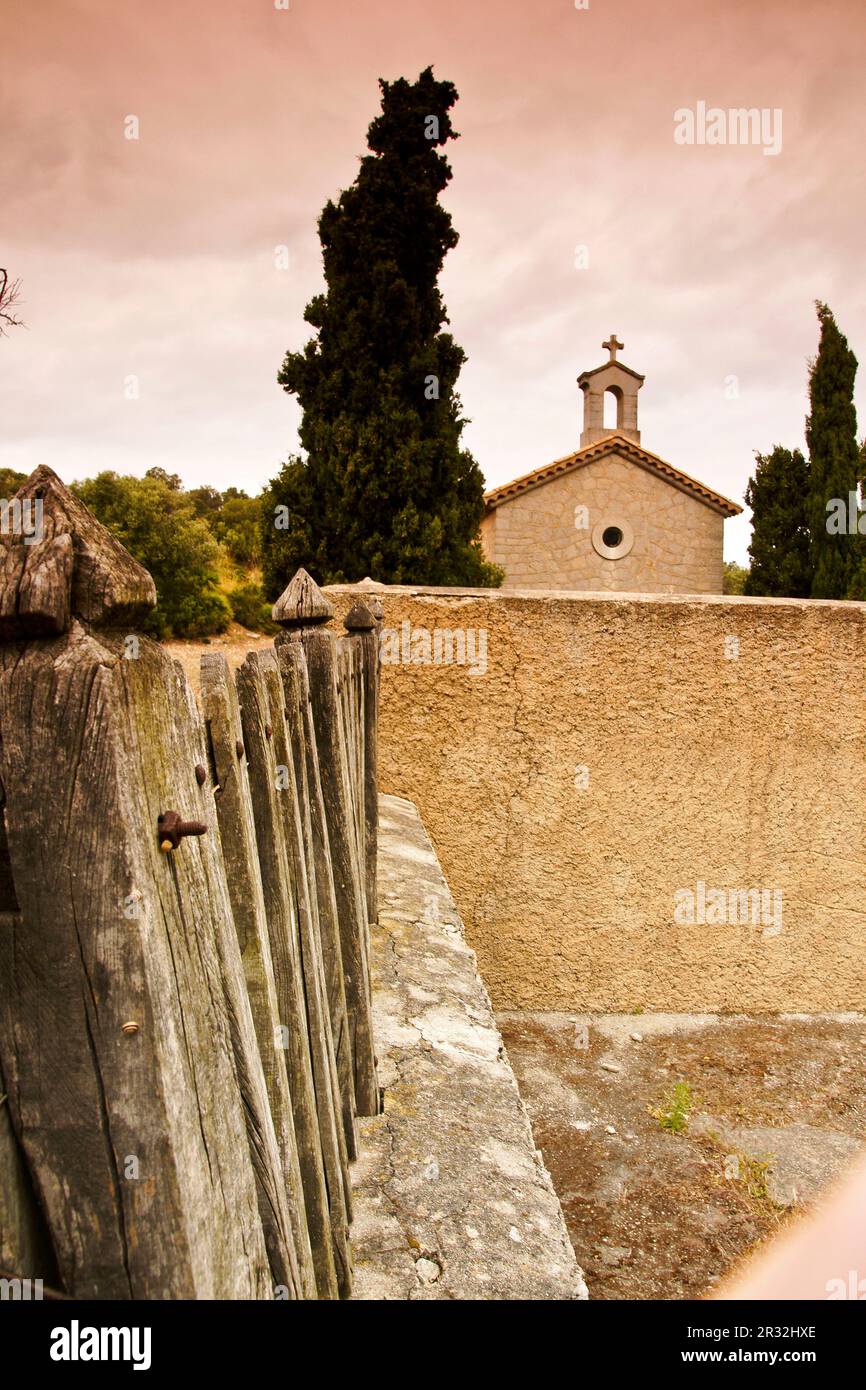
[627, 449]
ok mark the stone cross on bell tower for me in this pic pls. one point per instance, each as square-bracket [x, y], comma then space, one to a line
[623, 384]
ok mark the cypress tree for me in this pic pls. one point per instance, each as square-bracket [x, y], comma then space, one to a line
[780, 546]
[834, 463]
[385, 487]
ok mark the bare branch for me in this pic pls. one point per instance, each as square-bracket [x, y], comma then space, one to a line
[10, 296]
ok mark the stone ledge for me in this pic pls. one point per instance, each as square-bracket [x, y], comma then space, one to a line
[451, 1197]
[505, 594]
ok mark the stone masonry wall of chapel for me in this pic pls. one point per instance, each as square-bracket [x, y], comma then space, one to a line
[677, 540]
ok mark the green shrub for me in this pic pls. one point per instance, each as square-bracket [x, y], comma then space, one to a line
[251, 609]
[10, 482]
[158, 525]
[734, 578]
[237, 525]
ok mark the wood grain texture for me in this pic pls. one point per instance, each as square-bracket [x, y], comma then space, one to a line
[138, 1139]
[283, 929]
[185, 1025]
[302, 601]
[367, 640]
[240, 852]
[273, 1182]
[320, 651]
[76, 569]
[320, 874]
[350, 691]
[331, 1133]
[25, 1246]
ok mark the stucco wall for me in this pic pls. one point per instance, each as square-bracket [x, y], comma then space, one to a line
[677, 539]
[742, 772]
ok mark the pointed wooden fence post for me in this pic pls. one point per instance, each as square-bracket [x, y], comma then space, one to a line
[360, 623]
[320, 874]
[125, 1031]
[320, 1168]
[227, 779]
[325, 1078]
[301, 610]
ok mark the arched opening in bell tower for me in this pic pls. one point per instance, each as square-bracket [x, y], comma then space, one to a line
[612, 419]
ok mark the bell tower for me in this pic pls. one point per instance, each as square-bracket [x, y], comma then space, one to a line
[623, 384]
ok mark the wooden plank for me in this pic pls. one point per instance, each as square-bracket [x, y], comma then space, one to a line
[361, 624]
[320, 875]
[319, 649]
[25, 1246]
[114, 1033]
[326, 1222]
[313, 973]
[356, 714]
[226, 782]
[351, 694]
[273, 1180]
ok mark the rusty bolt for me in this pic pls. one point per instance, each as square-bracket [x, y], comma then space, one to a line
[129, 1029]
[200, 773]
[239, 749]
[171, 829]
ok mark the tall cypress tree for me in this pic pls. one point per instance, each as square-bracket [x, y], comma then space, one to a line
[386, 488]
[780, 546]
[834, 465]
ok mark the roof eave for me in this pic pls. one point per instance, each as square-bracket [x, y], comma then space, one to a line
[584, 376]
[528, 482]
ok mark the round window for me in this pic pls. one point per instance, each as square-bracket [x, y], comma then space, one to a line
[612, 540]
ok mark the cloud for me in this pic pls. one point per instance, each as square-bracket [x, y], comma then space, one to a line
[155, 258]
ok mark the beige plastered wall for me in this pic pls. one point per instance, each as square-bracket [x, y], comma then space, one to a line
[619, 749]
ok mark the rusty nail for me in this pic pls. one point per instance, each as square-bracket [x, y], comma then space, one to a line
[200, 773]
[171, 829]
[129, 1029]
[239, 749]
[269, 731]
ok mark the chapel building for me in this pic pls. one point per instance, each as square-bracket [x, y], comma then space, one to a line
[612, 516]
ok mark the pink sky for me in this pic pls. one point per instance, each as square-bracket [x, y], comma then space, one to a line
[155, 258]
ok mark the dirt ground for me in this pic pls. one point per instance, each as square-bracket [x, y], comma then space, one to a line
[772, 1109]
[234, 643]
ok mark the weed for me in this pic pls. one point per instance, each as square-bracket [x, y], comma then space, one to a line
[753, 1174]
[672, 1112]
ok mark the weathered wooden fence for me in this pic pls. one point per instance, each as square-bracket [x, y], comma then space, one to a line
[185, 899]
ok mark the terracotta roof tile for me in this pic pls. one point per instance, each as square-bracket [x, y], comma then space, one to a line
[626, 448]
